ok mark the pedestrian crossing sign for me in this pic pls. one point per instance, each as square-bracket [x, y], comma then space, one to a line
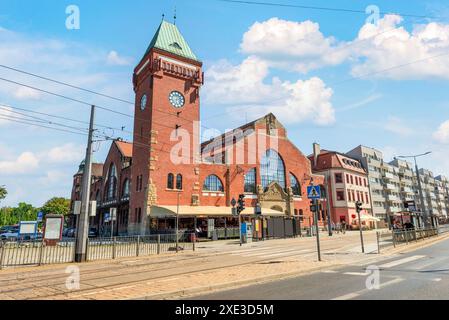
[314, 192]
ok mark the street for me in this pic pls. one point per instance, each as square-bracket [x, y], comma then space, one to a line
[420, 274]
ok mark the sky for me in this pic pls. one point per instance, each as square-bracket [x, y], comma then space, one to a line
[339, 78]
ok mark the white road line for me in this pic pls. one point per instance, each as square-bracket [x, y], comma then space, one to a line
[356, 294]
[401, 261]
[430, 263]
[437, 279]
[363, 274]
[329, 271]
[348, 296]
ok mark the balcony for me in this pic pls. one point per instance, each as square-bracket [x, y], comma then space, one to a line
[391, 197]
[388, 175]
[390, 186]
[407, 190]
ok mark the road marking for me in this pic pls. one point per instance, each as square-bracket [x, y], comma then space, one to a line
[363, 274]
[348, 296]
[356, 294]
[437, 279]
[401, 261]
[329, 271]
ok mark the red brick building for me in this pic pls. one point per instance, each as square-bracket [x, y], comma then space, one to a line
[172, 174]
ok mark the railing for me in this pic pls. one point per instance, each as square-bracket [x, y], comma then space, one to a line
[29, 253]
[397, 237]
[33, 252]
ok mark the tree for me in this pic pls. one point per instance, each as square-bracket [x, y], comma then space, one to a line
[24, 212]
[60, 206]
[3, 192]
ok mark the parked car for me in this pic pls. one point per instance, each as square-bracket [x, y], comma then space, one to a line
[9, 236]
[9, 229]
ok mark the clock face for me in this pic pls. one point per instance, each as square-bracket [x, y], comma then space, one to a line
[177, 99]
[143, 102]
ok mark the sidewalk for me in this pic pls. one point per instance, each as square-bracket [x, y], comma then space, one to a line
[215, 266]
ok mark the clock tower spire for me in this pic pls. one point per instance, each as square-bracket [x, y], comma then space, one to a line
[167, 84]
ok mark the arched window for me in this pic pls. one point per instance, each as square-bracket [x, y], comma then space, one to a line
[170, 181]
[125, 192]
[272, 169]
[112, 182]
[213, 183]
[179, 182]
[296, 187]
[250, 181]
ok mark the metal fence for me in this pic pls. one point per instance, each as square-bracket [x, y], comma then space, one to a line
[395, 238]
[23, 253]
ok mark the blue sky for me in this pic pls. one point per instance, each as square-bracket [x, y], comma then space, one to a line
[298, 63]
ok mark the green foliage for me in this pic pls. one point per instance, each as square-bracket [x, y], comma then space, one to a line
[23, 212]
[60, 206]
[3, 192]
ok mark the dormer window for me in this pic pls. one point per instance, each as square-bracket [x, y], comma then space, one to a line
[176, 45]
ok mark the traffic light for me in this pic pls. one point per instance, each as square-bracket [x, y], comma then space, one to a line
[313, 206]
[241, 204]
[358, 206]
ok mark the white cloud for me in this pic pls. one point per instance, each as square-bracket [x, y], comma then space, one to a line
[302, 47]
[64, 154]
[114, 59]
[388, 44]
[298, 46]
[54, 177]
[397, 126]
[442, 134]
[23, 93]
[27, 162]
[244, 86]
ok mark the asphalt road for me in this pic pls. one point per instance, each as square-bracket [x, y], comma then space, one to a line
[420, 274]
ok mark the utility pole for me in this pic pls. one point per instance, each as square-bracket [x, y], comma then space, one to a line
[83, 224]
[315, 203]
[327, 189]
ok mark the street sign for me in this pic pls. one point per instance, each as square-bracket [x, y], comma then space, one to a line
[107, 217]
[77, 208]
[27, 228]
[40, 216]
[314, 192]
[113, 214]
[234, 212]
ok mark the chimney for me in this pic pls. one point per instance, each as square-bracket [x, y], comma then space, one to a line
[316, 153]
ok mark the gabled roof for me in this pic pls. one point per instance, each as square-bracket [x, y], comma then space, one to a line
[125, 148]
[169, 38]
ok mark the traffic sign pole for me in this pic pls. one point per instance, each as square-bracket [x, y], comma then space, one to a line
[315, 202]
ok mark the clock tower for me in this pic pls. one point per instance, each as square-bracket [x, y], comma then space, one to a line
[167, 84]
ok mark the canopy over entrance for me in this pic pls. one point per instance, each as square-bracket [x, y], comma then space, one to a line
[205, 211]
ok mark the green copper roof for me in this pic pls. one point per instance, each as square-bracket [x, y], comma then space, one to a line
[168, 38]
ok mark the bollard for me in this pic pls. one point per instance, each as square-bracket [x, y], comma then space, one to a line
[378, 242]
[194, 242]
[137, 247]
[2, 255]
[113, 248]
[158, 244]
[40, 253]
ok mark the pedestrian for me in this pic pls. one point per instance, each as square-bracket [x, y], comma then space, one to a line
[343, 227]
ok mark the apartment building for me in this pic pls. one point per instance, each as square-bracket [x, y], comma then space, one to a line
[442, 193]
[428, 186]
[372, 160]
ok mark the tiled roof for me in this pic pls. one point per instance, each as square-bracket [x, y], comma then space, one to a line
[125, 148]
[168, 38]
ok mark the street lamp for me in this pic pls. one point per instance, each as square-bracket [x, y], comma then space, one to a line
[421, 196]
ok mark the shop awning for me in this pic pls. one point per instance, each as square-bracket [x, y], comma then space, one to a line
[204, 211]
[367, 217]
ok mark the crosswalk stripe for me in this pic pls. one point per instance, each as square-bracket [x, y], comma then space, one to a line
[401, 261]
[363, 274]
